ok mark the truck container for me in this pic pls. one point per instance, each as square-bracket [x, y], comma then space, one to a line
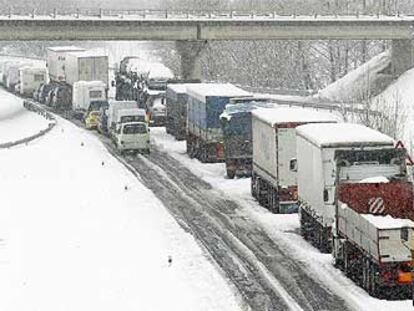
[273, 182]
[334, 161]
[30, 78]
[236, 124]
[176, 108]
[114, 108]
[130, 115]
[86, 66]
[88, 96]
[56, 57]
[375, 251]
[206, 102]
[11, 75]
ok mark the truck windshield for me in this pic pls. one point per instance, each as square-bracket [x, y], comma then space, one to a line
[355, 165]
[126, 119]
[135, 129]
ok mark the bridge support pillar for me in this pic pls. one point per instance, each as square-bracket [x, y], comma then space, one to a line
[402, 56]
[190, 53]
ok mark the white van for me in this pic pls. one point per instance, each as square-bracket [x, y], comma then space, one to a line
[133, 136]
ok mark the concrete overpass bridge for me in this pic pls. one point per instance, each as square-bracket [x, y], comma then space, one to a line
[192, 30]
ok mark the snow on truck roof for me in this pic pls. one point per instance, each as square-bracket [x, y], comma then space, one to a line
[342, 134]
[65, 48]
[132, 111]
[178, 88]
[89, 83]
[84, 53]
[203, 90]
[293, 115]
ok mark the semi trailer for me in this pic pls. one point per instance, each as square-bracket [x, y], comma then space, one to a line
[206, 102]
[273, 181]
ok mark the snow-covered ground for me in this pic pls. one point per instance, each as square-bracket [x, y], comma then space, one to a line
[15, 121]
[79, 232]
[281, 228]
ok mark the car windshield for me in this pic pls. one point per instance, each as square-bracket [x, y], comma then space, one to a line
[126, 119]
[135, 129]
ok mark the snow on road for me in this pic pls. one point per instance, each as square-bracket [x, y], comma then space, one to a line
[80, 232]
[284, 229]
[15, 121]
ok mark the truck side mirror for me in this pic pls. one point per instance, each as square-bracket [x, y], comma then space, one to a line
[293, 165]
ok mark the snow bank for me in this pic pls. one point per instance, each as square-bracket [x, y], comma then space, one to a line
[15, 121]
[79, 232]
[358, 82]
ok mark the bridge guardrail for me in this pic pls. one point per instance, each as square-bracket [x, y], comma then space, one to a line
[31, 106]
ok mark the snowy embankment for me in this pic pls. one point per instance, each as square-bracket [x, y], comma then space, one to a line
[364, 81]
[79, 232]
[284, 229]
[16, 122]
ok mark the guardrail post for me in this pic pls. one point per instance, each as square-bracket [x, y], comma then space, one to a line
[231, 14]
[54, 12]
[274, 15]
[100, 13]
[33, 13]
[357, 14]
[143, 14]
[166, 14]
[77, 13]
[10, 12]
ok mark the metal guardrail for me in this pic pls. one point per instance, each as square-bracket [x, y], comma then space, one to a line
[13, 12]
[29, 105]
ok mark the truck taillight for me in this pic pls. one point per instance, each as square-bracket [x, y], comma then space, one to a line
[405, 277]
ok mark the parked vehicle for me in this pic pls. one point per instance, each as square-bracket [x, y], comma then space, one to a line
[88, 96]
[236, 124]
[30, 78]
[132, 136]
[273, 184]
[206, 101]
[360, 153]
[43, 92]
[155, 106]
[60, 97]
[354, 192]
[91, 119]
[113, 111]
[56, 57]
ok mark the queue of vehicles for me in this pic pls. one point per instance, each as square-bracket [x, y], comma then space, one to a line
[349, 183]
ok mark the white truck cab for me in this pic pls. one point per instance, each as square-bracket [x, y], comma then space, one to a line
[133, 136]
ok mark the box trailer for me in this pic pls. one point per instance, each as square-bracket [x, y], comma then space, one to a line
[30, 79]
[56, 57]
[273, 181]
[86, 66]
[206, 102]
[88, 96]
[333, 159]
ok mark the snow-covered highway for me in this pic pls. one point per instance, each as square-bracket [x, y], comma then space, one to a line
[79, 232]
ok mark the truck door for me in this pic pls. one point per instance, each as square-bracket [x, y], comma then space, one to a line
[85, 70]
[286, 151]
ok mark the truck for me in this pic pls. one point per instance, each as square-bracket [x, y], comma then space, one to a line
[236, 124]
[30, 78]
[88, 96]
[356, 200]
[273, 183]
[154, 103]
[114, 107]
[126, 115]
[206, 102]
[86, 66]
[356, 153]
[56, 57]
